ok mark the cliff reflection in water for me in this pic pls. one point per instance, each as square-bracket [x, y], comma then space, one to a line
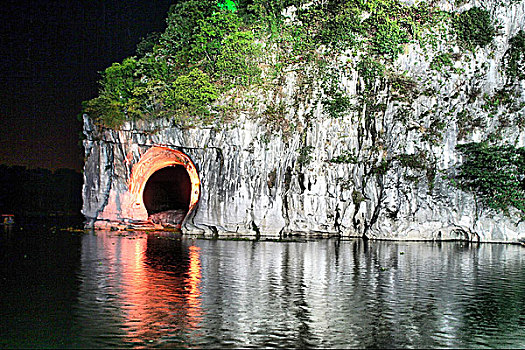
[152, 290]
[146, 286]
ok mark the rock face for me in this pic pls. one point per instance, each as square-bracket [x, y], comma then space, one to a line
[385, 177]
[169, 218]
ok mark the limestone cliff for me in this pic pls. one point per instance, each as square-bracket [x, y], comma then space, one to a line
[381, 166]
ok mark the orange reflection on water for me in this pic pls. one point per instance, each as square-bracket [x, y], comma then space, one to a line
[160, 292]
[193, 280]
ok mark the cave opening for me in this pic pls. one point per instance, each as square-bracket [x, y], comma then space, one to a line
[168, 189]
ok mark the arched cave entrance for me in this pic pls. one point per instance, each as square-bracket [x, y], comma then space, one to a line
[164, 187]
[168, 189]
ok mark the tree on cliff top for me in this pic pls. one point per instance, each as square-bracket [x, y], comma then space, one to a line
[234, 46]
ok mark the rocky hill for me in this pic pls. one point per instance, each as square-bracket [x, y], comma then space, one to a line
[383, 119]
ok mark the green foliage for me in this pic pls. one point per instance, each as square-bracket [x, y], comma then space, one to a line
[276, 121]
[411, 161]
[388, 39]
[118, 80]
[466, 123]
[116, 102]
[515, 57]
[305, 155]
[206, 43]
[381, 25]
[267, 12]
[370, 70]
[192, 94]
[218, 38]
[135, 89]
[474, 28]
[150, 99]
[337, 105]
[237, 61]
[441, 61]
[342, 28]
[494, 173]
[357, 197]
[147, 44]
[392, 23]
[418, 161]
[415, 161]
[346, 157]
[444, 63]
[336, 24]
[105, 111]
[499, 98]
[182, 23]
[381, 168]
[180, 73]
[402, 87]
[152, 67]
[434, 132]
[227, 5]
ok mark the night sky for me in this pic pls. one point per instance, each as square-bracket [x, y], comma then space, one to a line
[51, 53]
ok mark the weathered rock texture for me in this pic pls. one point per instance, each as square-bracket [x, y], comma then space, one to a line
[256, 180]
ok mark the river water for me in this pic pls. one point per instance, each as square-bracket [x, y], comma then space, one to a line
[134, 289]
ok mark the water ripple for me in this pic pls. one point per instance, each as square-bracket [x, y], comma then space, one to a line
[141, 290]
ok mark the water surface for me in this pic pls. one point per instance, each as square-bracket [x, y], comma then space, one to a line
[136, 289]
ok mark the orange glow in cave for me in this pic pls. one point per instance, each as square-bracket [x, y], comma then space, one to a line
[156, 159]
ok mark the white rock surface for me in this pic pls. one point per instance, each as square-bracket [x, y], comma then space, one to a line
[253, 183]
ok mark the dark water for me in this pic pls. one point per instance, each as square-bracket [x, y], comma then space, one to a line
[162, 290]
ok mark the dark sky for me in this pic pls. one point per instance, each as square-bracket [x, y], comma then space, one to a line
[50, 56]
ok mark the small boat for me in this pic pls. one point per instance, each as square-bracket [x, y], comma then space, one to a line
[7, 219]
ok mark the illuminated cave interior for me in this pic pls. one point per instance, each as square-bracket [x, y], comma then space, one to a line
[168, 189]
[164, 187]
